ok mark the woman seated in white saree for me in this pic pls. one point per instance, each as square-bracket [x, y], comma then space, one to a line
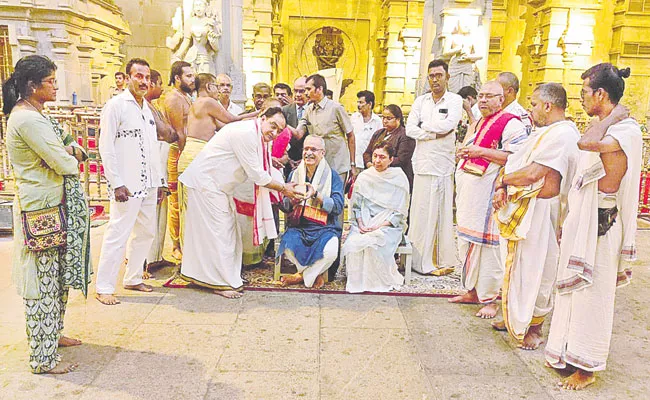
[380, 205]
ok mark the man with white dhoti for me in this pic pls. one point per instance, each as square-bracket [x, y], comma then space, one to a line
[433, 119]
[530, 199]
[599, 231]
[311, 241]
[212, 244]
[380, 204]
[488, 143]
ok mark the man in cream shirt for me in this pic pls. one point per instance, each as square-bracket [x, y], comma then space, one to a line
[130, 154]
[432, 122]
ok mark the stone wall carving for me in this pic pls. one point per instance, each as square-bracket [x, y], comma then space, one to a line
[73, 34]
[197, 28]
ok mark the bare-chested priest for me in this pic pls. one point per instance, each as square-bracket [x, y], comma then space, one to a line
[598, 234]
[206, 116]
[175, 105]
[488, 143]
[530, 196]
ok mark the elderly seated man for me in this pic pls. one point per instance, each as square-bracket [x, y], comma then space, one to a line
[311, 240]
[380, 205]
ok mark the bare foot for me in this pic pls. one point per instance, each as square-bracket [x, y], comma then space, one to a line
[229, 294]
[489, 311]
[533, 338]
[177, 254]
[159, 264]
[62, 368]
[107, 299]
[442, 271]
[140, 287]
[499, 325]
[65, 341]
[319, 282]
[468, 298]
[578, 380]
[291, 279]
[146, 275]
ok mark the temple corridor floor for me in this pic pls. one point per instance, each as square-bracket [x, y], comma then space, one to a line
[191, 344]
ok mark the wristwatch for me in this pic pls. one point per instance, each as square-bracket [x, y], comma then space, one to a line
[353, 164]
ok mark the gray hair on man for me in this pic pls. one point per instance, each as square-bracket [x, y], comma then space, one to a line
[553, 93]
[317, 138]
[509, 80]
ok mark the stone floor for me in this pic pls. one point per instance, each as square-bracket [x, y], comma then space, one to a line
[190, 344]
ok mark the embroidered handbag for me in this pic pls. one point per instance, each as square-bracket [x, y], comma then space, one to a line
[45, 228]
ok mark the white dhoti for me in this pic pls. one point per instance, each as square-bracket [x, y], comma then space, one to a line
[482, 269]
[432, 226]
[134, 219]
[581, 326]
[591, 266]
[245, 194]
[158, 245]
[212, 251]
[311, 272]
[530, 270]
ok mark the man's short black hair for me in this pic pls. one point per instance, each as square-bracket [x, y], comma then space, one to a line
[139, 61]
[120, 73]
[438, 63]
[155, 76]
[466, 91]
[283, 86]
[271, 111]
[368, 96]
[319, 81]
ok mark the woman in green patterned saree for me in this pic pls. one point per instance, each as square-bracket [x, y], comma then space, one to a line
[45, 163]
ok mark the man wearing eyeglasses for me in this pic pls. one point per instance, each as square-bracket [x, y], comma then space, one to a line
[433, 119]
[488, 143]
[224, 84]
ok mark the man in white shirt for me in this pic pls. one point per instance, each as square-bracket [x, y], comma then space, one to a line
[224, 84]
[510, 85]
[365, 123]
[432, 121]
[130, 155]
[212, 254]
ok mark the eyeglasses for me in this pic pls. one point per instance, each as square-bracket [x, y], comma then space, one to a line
[487, 96]
[51, 81]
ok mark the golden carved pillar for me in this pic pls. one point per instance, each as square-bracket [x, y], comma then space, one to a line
[562, 40]
[400, 42]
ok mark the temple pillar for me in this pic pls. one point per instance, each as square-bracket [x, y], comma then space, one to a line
[559, 43]
[400, 44]
[85, 92]
[62, 57]
[258, 39]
